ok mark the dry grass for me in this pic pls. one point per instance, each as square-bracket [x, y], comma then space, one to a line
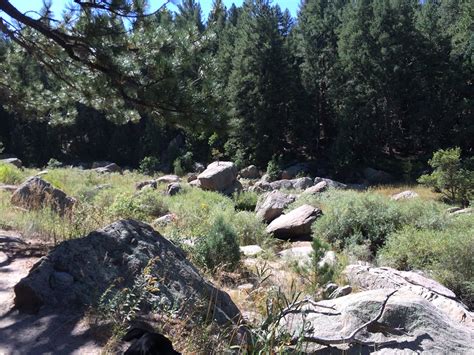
[423, 192]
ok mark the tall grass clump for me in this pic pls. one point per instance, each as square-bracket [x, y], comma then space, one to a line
[10, 174]
[354, 219]
[144, 206]
[245, 200]
[220, 248]
[196, 210]
[249, 228]
[445, 254]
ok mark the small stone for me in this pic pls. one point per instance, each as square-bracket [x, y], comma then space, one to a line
[251, 250]
[341, 291]
[173, 189]
[330, 288]
[245, 287]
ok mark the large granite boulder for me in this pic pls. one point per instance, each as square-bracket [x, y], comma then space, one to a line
[168, 179]
[14, 161]
[297, 223]
[219, 176]
[77, 272]
[294, 170]
[109, 168]
[330, 183]
[382, 321]
[404, 195]
[272, 204]
[250, 172]
[368, 277]
[35, 193]
[296, 184]
[317, 189]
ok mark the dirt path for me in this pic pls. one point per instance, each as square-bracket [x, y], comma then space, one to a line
[45, 333]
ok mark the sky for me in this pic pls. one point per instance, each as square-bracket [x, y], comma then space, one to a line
[59, 5]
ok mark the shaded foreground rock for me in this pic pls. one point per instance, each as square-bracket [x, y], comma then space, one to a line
[218, 176]
[84, 268]
[399, 322]
[296, 223]
[272, 204]
[36, 193]
[367, 277]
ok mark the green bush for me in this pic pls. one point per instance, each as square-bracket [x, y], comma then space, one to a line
[452, 177]
[245, 201]
[183, 164]
[273, 168]
[250, 229]
[144, 206]
[446, 254]
[324, 273]
[149, 165]
[219, 248]
[196, 210]
[352, 218]
[10, 174]
[54, 164]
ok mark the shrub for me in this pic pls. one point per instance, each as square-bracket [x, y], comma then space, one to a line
[451, 176]
[149, 165]
[249, 229]
[143, 206]
[54, 164]
[245, 201]
[323, 273]
[273, 168]
[196, 210]
[446, 254]
[10, 174]
[220, 248]
[183, 164]
[351, 218]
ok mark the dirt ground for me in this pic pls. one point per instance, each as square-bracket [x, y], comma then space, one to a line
[47, 332]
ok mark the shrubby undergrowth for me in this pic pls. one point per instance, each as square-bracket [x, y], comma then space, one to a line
[356, 219]
[445, 254]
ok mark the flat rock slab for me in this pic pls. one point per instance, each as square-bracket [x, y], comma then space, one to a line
[251, 250]
[408, 324]
[442, 298]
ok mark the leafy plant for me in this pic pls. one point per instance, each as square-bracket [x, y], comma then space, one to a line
[142, 206]
[149, 165]
[220, 248]
[10, 174]
[451, 176]
[54, 164]
[445, 254]
[273, 168]
[323, 272]
[352, 218]
[245, 201]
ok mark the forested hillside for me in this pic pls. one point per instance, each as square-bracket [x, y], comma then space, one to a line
[350, 83]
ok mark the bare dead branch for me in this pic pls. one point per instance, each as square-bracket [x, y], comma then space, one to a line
[347, 339]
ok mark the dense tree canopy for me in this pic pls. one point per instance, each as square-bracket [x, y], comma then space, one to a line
[352, 83]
